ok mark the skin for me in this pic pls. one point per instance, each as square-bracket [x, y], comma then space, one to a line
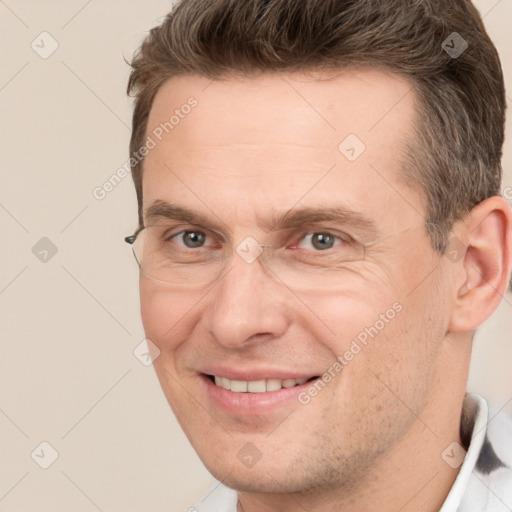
[376, 432]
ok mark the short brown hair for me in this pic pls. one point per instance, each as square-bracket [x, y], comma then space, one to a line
[454, 153]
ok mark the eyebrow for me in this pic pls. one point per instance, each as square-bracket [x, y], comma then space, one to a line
[291, 218]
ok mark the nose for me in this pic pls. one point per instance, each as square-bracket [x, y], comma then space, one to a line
[248, 305]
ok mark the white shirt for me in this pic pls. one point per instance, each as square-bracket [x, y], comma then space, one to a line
[484, 482]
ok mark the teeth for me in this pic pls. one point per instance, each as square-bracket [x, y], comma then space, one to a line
[273, 384]
[226, 383]
[288, 383]
[257, 386]
[238, 386]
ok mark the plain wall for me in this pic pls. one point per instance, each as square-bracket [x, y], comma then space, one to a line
[70, 325]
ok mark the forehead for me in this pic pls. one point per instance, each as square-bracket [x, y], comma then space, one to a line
[354, 100]
[278, 137]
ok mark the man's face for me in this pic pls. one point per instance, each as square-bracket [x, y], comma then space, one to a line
[366, 283]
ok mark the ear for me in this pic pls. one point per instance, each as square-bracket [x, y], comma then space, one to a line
[484, 269]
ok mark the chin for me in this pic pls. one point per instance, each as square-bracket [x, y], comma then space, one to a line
[259, 481]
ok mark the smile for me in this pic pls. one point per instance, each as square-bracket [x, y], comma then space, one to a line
[257, 386]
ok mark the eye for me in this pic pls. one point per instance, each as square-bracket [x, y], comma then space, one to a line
[320, 241]
[190, 239]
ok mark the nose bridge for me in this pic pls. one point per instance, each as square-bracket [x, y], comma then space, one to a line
[246, 302]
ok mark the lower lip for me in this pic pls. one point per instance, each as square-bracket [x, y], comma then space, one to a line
[252, 404]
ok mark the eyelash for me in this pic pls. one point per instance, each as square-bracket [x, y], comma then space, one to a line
[343, 239]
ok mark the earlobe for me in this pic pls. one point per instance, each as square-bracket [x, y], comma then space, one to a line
[486, 264]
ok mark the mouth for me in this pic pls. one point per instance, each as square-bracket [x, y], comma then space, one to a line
[258, 386]
[254, 398]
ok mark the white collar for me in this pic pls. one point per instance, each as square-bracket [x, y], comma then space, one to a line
[476, 407]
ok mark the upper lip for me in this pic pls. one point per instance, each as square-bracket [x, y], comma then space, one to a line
[252, 374]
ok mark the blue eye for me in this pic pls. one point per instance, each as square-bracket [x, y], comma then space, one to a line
[321, 240]
[191, 239]
[318, 241]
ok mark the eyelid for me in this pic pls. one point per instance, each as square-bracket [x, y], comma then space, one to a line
[173, 231]
[181, 244]
[342, 238]
[308, 229]
[302, 231]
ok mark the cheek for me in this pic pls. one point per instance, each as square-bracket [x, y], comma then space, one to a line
[356, 314]
[380, 326]
[168, 318]
[165, 314]
[155, 312]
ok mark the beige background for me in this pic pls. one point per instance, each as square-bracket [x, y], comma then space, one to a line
[70, 325]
